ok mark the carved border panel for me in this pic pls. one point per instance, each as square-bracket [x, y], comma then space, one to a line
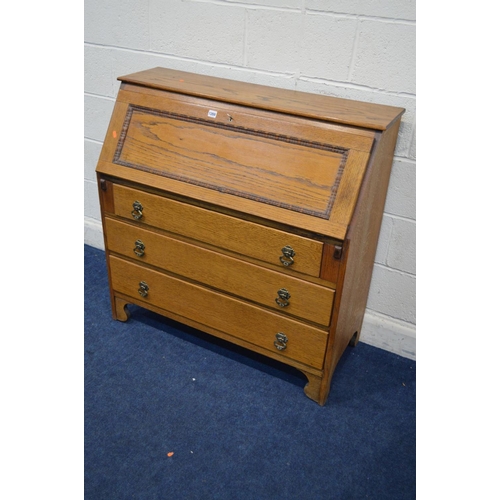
[253, 132]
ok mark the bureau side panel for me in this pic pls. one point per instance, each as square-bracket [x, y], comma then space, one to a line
[359, 256]
[106, 200]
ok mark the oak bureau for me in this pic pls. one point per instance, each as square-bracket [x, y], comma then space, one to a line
[248, 212]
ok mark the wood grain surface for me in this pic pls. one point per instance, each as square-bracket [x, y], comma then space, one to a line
[230, 275]
[306, 343]
[274, 169]
[240, 236]
[328, 108]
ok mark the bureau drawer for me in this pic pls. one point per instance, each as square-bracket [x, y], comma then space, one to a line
[240, 236]
[307, 300]
[257, 326]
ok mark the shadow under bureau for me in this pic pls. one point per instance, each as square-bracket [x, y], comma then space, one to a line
[248, 212]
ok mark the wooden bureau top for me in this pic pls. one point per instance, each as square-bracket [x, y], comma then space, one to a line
[331, 109]
[293, 158]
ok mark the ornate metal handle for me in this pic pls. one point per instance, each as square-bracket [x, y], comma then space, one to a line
[282, 298]
[137, 212]
[288, 255]
[139, 248]
[143, 289]
[280, 342]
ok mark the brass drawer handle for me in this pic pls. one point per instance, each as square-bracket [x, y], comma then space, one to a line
[137, 212]
[288, 255]
[143, 289]
[280, 342]
[282, 298]
[139, 248]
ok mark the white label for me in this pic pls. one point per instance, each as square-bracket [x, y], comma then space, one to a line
[212, 114]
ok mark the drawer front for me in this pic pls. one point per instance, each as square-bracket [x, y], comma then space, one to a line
[307, 300]
[231, 233]
[257, 326]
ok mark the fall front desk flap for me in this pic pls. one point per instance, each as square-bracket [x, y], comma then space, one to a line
[253, 149]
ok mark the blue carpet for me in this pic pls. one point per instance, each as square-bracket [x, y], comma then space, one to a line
[171, 413]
